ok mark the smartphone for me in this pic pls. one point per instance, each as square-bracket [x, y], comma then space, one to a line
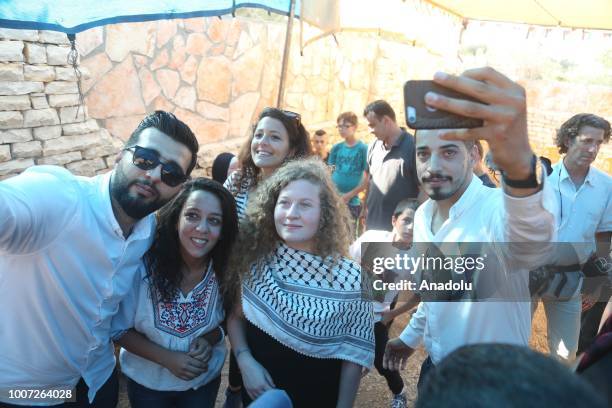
[421, 116]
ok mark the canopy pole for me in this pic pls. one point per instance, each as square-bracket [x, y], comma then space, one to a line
[281, 87]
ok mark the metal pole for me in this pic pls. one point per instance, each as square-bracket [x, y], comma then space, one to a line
[281, 87]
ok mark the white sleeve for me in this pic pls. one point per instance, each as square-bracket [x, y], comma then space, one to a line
[35, 207]
[605, 224]
[412, 335]
[530, 220]
[355, 250]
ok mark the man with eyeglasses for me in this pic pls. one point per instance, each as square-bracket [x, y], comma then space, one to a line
[69, 251]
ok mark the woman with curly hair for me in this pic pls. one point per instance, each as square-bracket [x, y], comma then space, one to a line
[302, 305]
[278, 136]
[172, 352]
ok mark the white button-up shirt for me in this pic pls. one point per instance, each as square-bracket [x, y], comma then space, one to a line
[484, 215]
[585, 211]
[64, 268]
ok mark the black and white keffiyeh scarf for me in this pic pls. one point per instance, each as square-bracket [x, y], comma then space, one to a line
[311, 307]
[240, 191]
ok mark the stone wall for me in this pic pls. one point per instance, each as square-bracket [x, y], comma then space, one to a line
[552, 103]
[40, 118]
[217, 74]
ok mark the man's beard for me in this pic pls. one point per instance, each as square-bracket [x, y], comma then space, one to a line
[436, 193]
[134, 206]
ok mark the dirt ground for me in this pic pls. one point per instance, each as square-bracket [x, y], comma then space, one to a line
[373, 391]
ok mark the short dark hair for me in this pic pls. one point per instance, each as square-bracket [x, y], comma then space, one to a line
[403, 205]
[380, 108]
[174, 128]
[164, 261]
[220, 166]
[484, 375]
[570, 129]
[320, 132]
[349, 117]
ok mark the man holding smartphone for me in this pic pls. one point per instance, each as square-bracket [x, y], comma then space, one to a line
[461, 209]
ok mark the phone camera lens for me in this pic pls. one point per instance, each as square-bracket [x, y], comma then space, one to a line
[411, 114]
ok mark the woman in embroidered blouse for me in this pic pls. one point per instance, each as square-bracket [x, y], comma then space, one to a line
[173, 353]
[277, 137]
[302, 324]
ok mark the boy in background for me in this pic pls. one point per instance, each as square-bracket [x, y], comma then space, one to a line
[319, 144]
[384, 302]
[349, 161]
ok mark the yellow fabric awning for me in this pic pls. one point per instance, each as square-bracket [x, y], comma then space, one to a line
[589, 14]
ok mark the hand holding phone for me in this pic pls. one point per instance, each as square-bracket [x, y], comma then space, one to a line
[419, 115]
[503, 110]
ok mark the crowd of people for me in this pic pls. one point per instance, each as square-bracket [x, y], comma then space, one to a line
[264, 265]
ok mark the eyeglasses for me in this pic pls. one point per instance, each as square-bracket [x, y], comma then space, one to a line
[148, 159]
[291, 115]
[495, 173]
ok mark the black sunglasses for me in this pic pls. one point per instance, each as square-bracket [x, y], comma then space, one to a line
[291, 115]
[148, 159]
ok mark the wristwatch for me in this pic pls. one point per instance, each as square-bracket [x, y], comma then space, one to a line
[532, 181]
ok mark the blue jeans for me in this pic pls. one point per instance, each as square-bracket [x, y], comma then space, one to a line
[273, 398]
[143, 397]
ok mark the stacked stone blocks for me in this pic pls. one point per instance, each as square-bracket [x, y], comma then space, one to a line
[41, 118]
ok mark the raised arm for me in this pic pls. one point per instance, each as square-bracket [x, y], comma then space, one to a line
[529, 210]
[35, 207]
[504, 111]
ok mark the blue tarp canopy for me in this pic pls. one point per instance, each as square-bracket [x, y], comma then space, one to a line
[73, 16]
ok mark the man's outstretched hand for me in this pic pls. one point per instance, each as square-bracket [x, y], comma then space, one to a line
[396, 355]
[504, 112]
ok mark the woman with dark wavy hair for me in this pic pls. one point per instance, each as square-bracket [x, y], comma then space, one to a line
[302, 305]
[173, 350]
[278, 136]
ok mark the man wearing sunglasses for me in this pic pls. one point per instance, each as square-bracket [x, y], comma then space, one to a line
[69, 251]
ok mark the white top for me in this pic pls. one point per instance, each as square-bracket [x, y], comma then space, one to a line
[64, 268]
[482, 214]
[586, 210]
[355, 253]
[172, 325]
[240, 192]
